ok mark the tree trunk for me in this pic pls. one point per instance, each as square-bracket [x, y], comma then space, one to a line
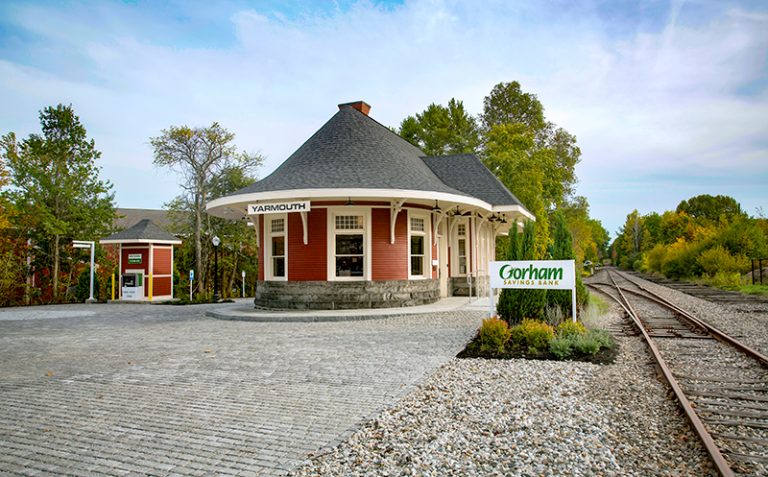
[56, 239]
[199, 269]
[234, 272]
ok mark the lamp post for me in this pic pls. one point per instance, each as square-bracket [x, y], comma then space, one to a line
[216, 241]
[90, 245]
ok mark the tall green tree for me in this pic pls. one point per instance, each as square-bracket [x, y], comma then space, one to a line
[200, 155]
[556, 148]
[56, 187]
[562, 249]
[508, 104]
[510, 156]
[441, 130]
[712, 208]
[514, 305]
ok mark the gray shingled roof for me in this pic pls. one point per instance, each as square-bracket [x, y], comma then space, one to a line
[129, 217]
[353, 151]
[145, 230]
[466, 173]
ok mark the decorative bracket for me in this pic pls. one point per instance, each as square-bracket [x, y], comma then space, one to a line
[396, 207]
[440, 217]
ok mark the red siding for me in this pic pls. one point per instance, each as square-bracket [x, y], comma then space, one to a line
[144, 265]
[162, 262]
[308, 262]
[389, 261]
[161, 286]
[261, 247]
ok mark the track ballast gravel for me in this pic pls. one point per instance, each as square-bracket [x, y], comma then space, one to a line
[527, 418]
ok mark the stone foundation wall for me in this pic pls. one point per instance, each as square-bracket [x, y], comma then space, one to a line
[322, 295]
[460, 287]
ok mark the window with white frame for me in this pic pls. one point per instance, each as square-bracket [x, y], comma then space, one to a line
[276, 231]
[461, 248]
[349, 245]
[418, 245]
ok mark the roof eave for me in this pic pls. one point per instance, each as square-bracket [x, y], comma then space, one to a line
[108, 241]
[234, 206]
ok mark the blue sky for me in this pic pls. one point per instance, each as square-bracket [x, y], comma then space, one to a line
[667, 99]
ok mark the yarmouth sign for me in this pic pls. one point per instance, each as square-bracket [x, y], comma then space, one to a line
[278, 207]
[533, 274]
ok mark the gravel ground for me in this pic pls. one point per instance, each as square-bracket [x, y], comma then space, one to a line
[526, 418]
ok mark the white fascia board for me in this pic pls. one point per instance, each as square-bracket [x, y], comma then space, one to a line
[225, 206]
[515, 208]
[122, 241]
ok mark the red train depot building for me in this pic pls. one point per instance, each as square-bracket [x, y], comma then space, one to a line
[145, 262]
[358, 217]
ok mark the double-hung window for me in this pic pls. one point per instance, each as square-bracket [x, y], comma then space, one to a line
[418, 245]
[461, 249]
[349, 245]
[276, 232]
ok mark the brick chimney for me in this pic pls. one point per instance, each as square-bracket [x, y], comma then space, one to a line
[361, 106]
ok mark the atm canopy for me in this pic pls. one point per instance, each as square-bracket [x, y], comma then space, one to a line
[354, 156]
[145, 231]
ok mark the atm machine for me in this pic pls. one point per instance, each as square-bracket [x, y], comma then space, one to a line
[132, 285]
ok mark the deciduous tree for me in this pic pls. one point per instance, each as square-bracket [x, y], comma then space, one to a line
[200, 155]
[441, 130]
[56, 187]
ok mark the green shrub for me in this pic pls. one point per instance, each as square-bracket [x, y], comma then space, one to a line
[718, 260]
[723, 280]
[494, 334]
[586, 344]
[561, 347]
[570, 328]
[553, 315]
[532, 335]
[83, 287]
[603, 338]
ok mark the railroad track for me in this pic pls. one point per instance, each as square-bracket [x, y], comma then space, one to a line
[712, 294]
[721, 384]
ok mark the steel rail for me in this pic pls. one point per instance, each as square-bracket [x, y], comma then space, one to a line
[706, 438]
[752, 353]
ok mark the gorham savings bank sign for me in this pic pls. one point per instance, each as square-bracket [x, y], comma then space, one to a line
[535, 274]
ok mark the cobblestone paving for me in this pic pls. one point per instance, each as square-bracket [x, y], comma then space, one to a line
[164, 390]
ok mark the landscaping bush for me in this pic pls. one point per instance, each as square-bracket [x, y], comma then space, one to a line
[561, 347]
[83, 287]
[570, 328]
[494, 334]
[532, 335]
[586, 344]
[603, 338]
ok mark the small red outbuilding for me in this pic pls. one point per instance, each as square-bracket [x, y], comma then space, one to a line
[146, 262]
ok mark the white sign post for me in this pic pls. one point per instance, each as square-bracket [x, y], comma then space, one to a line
[191, 279]
[91, 245]
[534, 274]
[243, 275]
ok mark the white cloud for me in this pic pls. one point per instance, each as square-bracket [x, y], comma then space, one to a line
[645, 100]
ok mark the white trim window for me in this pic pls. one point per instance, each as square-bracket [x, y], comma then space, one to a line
[349, 244]
[277, 247]
[419, 250]
[460, 250]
